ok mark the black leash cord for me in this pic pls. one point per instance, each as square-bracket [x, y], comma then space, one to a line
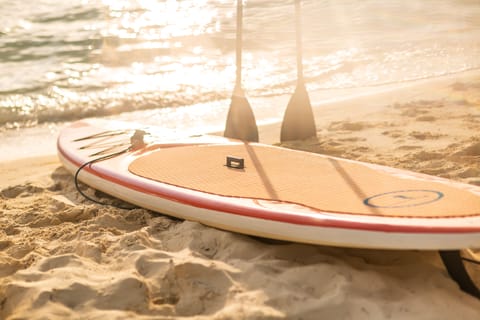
[454, 263]
[109, 156]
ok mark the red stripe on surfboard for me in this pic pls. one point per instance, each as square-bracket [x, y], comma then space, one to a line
[324, 220]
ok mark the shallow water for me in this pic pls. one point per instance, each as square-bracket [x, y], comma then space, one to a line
[65, 60]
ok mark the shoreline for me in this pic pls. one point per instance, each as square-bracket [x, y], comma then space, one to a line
[268, 111]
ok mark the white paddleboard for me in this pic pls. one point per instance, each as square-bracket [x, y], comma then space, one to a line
[273, 192]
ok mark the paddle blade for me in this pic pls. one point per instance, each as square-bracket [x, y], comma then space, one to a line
[298, 122]
[241, 121]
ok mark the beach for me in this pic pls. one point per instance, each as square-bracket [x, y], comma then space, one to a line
[63, 257]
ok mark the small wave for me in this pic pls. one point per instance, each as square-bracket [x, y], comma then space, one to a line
[25, 111]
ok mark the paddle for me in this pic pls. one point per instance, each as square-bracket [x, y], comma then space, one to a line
[240, 119]
[298, 122]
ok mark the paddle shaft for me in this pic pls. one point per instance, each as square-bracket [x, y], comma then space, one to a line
[238, 81]
[241, 122]
[298, 29]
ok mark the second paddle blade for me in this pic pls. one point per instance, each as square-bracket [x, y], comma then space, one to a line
[298, 122]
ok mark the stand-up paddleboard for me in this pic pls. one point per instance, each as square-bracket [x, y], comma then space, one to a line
[273, 192]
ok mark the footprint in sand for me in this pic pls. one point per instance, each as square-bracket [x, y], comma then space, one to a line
[21, 191]
[393, 133]
[426, 118]
[418, 109]
[9, 266]
[471, 150]
[408, 148]
[202, 289]
[58, 262]
[412, 113]
[352, 139]
[424, 135]
[348, 126]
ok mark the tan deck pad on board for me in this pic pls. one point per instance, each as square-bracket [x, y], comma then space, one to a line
[321, 182]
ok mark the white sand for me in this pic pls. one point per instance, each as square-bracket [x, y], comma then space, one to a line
[62, 257]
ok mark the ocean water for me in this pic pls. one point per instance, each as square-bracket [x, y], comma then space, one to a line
[173, 62]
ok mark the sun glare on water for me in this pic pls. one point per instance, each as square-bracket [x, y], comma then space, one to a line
[154, 20]
[178, 46]
[169, 46]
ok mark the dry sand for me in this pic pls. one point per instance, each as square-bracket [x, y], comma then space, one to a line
[62, 257]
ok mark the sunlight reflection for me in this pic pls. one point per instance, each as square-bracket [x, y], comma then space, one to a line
[153, 19]
[152, 45]
[164, 43]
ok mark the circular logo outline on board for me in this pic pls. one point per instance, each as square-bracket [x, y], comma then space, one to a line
[402, 194]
